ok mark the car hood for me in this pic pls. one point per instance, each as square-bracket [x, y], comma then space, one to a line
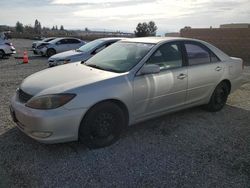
[67, 55]
[63, 79]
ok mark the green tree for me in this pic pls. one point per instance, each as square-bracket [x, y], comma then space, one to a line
[37, 27]
[152, 28]
[61, 28]
[146, 29]
[19, 27]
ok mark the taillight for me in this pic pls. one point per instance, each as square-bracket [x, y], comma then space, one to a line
[9, 43]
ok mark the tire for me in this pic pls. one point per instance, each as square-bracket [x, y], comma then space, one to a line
[218, 98]
[102, 125]
[50, 52]
[2, 54]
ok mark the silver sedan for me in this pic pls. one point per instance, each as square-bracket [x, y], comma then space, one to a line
[83, 53]
[128, 82]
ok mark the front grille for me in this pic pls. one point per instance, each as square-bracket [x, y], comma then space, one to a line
[23, 97]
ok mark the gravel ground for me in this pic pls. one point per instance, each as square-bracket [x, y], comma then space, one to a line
[191, 148]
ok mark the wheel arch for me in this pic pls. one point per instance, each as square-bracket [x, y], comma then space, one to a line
[2, 50]
[118, 102]
[228, 84]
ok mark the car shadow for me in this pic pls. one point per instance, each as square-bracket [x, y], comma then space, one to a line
[220, 139]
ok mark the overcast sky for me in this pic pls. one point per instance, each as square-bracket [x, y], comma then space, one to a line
[123, 15]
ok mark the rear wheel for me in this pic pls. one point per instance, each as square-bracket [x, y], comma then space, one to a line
[218, 98]
[51, 52]
[102, 125]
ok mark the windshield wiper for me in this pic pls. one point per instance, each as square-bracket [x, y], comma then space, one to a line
[78, 50]
[101, 68]
[95, 66]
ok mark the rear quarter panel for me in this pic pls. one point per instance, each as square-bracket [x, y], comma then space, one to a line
[235, 69]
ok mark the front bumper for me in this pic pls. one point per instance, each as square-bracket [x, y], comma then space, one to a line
[41, 51]
[10, 51]
[47, 126]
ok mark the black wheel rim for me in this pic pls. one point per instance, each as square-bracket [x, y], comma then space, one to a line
[50, 53]
[103, 128]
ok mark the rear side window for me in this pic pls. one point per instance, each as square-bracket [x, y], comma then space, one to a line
[63, 41]
[73, 41]
[197, 54]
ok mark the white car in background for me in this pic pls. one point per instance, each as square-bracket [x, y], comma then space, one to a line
[38, 43]
[6, 48]
[59, 45]
[83, 53]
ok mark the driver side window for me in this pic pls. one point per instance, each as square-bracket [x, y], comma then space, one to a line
[167, 56]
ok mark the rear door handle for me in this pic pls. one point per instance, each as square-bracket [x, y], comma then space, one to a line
[181, 76]
[218, 68]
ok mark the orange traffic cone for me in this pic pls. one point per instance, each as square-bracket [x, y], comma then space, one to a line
[25, 57]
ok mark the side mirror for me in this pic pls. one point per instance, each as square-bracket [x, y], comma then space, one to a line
[93, 52]
[150, 69]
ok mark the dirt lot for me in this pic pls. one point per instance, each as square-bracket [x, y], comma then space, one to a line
[191, 148]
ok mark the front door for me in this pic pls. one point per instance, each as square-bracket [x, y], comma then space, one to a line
[154, 93]
[62, 46]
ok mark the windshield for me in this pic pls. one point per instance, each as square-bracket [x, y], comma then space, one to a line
[48, 39]
[90, 46]
[119, 57]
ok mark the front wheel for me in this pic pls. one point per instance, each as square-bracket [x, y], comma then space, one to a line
[102, 125]
[50, 52]
[218, 98]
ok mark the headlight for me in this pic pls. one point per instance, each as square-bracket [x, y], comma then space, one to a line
[66, 61]
[50, 101]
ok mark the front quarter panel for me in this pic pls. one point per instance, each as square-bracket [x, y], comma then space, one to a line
[118, 88]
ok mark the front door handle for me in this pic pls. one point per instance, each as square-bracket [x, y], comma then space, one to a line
[181, 76]
[218, 68]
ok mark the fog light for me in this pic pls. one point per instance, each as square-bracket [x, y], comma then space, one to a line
[41, 134]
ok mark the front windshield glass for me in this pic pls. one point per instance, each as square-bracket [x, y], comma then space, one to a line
[48, 39]
[119, 57]
[90, 46]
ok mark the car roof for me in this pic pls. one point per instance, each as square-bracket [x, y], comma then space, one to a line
[60, 38]
[111, 38]
[156, 40]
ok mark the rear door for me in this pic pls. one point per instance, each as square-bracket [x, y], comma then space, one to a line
[154, 93]
[74, 44]
[204, 71]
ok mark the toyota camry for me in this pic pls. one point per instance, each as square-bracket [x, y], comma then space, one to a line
[128, 82]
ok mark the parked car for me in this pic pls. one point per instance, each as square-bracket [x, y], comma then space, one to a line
[83, 53]
[6, 48]
[59, 45]
[128, 82]
[38, 43]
